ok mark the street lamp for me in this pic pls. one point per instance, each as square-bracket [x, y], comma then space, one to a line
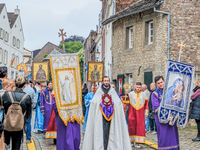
[97, 55]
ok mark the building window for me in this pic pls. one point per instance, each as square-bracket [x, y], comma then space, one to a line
[1, 55]
[17, 60]
[12, 74]
[129, 79]
[129, 37]
[1, 33]
[14, 41]
[150, 38]
[148, 32]
[18, 43]
[5, 57]
[6, 36]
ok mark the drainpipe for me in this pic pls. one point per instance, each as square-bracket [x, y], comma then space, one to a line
[168, 30]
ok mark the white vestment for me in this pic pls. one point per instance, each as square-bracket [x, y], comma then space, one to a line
[118, 137]
[65, 86]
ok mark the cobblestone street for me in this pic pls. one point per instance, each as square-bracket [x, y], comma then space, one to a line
[185, 136]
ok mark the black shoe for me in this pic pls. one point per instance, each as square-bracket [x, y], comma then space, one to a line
[197, 139]
[54, 141]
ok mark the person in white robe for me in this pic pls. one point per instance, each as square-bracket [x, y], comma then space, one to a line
[118, 136]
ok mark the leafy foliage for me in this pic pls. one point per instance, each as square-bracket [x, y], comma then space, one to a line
[72, 46]
[45, 55]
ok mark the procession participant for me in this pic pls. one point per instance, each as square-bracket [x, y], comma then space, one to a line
[113, 86]
[3, 74]
[147, 93]
[88, 98]
[29, 90]
[106, 126]
[68, 137]
[168, 138]
[195, 107]
[39, 117]
[138, 109]
[51, 132]
[46, 104]
[84, 92]
[151, 112]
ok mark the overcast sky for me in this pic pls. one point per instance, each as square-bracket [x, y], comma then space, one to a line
[42, 19]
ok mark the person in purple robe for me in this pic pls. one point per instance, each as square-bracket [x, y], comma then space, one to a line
[168, 138]
[46, 104]
[68, 137]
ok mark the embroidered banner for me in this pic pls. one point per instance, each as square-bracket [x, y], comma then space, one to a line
[65, 71]
[176, 94]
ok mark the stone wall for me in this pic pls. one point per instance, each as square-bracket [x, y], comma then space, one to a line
[151, 57]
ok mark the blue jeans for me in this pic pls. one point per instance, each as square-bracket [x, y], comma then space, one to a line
[28, 128]
[147, 123]
[152, 124]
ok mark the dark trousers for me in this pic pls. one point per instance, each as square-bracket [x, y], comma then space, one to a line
[198, 127]
[16, 138]
[152, 124]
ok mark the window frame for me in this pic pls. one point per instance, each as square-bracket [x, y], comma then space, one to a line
[5, 57]
[1, 55]
[130, 37]
[149, 33]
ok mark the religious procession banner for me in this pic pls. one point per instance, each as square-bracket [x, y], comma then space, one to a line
[176, 94]
[66, 79]
[40, 72]
[95, 71]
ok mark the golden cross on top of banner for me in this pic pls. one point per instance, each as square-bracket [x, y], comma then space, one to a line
[62, 34]
[181, 48]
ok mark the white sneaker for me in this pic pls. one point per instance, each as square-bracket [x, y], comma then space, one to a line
[148, 131]
[137, 145]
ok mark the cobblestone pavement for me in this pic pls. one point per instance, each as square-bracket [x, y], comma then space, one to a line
[185, 136]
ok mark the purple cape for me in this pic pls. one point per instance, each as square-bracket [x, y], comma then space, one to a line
[46, 107]
[68, 137]
[168, 138]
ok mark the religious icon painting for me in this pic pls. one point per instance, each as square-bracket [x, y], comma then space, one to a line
[67, 86]
[40, 72]
[95, 71]
[176, 94]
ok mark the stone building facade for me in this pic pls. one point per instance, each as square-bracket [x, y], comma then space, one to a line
[89, 47]
[140, 35]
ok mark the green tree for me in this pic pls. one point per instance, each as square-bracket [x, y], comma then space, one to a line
[81, 61]
[72, 46]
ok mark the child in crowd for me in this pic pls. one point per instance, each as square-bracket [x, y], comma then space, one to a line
[8, 85]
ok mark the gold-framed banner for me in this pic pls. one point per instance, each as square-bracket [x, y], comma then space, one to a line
[66, 80]
[40, 72]
[95, 71]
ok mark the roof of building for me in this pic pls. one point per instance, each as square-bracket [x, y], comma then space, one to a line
[47, 49]
[133, 9]
[12, 18]
[35, 52]
[1, 7]
[53, 52]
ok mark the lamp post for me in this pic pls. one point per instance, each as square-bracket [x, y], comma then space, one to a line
[97, 55]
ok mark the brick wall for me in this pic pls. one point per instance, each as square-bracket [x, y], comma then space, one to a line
[185, 18]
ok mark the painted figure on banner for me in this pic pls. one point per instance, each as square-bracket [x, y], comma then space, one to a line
[175, 94]
[41, 75]
[105, 117]
[95, 75]
[67, 87]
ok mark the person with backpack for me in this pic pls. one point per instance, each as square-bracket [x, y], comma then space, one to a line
[17, 108]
